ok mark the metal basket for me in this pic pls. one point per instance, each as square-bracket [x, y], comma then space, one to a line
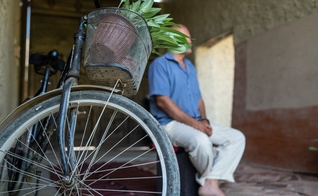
[118, 45]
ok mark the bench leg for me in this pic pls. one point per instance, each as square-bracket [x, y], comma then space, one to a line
[189, 186]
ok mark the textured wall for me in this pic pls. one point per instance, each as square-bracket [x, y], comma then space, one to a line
[9, 69]
[276, 95]
[276, 137]
[247, 18]
[275, 92]
[283, 74]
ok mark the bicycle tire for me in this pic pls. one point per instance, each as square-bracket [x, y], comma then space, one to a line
[107, 117]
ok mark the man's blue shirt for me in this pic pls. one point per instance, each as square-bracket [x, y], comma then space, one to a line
[168, 78]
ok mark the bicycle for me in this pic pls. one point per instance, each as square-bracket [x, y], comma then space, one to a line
[39, 153]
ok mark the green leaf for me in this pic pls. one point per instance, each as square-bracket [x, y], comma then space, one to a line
[154, 51]
[167, 40]
[171, 30]
[136, 6]
[179, 49]
[160, 18]
[126, 4]
[313, 148]
[145, 6]
[152, 23]
[151, 12]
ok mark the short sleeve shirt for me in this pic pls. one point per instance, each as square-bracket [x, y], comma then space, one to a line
[168, 78]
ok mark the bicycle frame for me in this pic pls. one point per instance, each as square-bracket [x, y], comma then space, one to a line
[63, 120]
[69, 77]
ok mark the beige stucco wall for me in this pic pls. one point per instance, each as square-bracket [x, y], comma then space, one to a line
[215, 68]
[9, 55]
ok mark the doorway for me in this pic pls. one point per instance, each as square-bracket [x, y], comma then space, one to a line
[215, 65]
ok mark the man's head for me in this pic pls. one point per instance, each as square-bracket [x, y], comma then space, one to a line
[183, 29]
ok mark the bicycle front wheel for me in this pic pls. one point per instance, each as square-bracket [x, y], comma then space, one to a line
[117, 149]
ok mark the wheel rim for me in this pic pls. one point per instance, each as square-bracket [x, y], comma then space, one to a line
[79, 183]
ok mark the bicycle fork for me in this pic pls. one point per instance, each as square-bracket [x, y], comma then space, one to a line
[68, 159]
[62, 126]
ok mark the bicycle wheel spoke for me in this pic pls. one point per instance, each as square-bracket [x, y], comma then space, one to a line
[103, 140]
[32, 187]
[95, 152]
[118, 167]
[104, 134]
[103, 152]
[53, 166]
[84, 134]
[26, 160]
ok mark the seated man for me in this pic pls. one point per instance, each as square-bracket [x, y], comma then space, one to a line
[176, 102]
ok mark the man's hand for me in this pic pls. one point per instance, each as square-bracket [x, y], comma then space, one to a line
[167, 105]
[203, 126]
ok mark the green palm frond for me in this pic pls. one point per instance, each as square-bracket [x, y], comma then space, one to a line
[163, 36]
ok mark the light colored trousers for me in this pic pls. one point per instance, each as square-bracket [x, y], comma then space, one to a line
[229, 142]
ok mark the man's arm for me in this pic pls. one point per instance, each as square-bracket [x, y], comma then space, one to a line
[172, 109]
[202, 111]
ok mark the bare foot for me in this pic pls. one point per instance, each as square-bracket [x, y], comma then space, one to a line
[210, 188]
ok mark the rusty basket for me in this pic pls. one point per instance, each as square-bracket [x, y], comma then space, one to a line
[118, 45]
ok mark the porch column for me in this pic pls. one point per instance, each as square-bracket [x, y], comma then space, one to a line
[9, 56]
